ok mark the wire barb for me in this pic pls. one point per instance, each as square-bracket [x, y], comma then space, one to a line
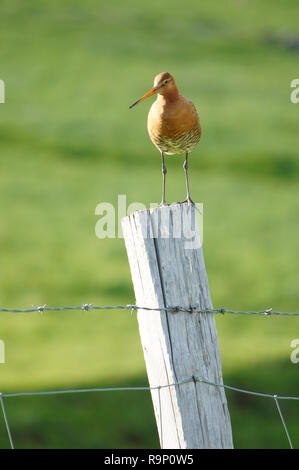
[132, 308]
[86, 307]
[41, 308]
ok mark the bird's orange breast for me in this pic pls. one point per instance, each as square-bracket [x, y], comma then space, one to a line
[174, 126]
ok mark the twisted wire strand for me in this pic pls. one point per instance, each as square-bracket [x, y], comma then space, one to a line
[133, 307]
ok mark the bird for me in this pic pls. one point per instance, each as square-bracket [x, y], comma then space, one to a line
[173, 124]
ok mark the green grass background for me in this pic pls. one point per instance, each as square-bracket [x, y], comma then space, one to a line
[68, 142]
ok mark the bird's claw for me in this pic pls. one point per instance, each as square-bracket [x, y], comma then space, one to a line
[189, 201]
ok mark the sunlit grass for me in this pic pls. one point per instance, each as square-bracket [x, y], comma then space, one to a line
[68, 142]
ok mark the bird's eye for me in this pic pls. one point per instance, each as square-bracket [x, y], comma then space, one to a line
[165, 81]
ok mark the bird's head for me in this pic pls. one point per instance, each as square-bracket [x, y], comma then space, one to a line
[164, 84]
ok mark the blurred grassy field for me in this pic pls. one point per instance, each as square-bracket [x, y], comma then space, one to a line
[68, 142]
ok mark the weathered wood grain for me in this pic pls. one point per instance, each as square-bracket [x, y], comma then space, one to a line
[168, 269]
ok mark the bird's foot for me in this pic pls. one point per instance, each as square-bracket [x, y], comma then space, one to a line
[189, 201]
[163, 204]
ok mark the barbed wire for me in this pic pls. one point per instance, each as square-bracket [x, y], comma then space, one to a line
[133, 307]
[193, 379]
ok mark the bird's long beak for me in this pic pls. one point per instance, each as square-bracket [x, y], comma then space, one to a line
[147, 95]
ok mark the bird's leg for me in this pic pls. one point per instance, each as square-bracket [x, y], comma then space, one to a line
[185, 166]
[164, 171]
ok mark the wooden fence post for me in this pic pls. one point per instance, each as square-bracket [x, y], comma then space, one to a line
[167, 267]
